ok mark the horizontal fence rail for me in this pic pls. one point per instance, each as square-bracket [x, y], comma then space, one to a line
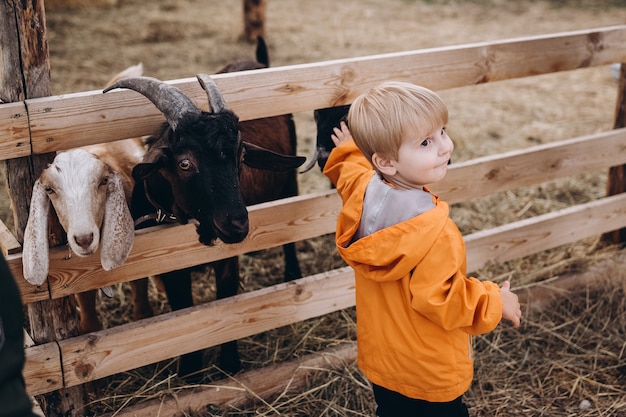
[61, 122]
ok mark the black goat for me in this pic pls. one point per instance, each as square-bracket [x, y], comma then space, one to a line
[326, 120]
[193, 170]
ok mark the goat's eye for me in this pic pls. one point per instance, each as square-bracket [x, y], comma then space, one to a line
[103, 181]
[184, 164]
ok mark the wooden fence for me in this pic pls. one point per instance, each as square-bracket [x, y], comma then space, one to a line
[49, 124]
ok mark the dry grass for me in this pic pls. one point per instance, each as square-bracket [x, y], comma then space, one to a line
[565, 355]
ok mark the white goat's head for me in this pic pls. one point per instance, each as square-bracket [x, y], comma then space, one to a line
[89, 200]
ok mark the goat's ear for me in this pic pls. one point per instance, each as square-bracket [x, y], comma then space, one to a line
[257, 157]
[118, 231]
[143, 170]
[152, 163]
[35, 252]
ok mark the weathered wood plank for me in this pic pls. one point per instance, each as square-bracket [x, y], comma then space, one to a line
[14, 134]
[616, 182]
[263, 383]
[107, 352]
[8, 242]
[42, 370]
[533, 235]
[62, 122]
[506, 171]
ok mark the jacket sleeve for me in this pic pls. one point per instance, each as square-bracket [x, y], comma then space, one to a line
[443, 293]
[345, 165]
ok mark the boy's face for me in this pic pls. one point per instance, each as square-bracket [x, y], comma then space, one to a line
[421, 160]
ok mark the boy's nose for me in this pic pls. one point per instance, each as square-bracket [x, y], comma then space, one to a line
[448, 146]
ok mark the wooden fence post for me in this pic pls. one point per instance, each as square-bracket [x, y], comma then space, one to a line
[25, 73]
[253, 19]
[616, 182]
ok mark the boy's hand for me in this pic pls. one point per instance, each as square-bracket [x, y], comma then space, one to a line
[341, 135]
[511, 309]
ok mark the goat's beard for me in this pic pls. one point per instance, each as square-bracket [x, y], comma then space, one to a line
[206, 233]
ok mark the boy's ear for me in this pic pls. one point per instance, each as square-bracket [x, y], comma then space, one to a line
[383, 165]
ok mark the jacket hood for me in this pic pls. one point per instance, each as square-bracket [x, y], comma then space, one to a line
[391, 253]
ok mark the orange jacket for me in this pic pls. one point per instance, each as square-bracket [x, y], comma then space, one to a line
[416, 308]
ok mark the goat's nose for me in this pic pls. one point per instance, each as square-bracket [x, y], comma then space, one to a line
[240, 222]
[84, 241]
[242, 225]
[236, 231]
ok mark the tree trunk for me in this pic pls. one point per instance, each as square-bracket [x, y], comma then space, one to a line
[24, 74]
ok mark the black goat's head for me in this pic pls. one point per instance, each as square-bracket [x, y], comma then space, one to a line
[325, 121]
[193, 167]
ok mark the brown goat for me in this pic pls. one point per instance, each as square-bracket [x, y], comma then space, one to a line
[278, 134]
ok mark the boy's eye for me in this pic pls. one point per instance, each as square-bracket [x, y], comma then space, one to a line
[425, 142]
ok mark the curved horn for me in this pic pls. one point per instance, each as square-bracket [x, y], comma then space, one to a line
[216, 99]
[312, 161]
[172, 102]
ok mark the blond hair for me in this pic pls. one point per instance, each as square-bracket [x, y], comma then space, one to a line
[381, 118]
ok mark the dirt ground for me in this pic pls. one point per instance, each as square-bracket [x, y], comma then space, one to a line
[179, 38]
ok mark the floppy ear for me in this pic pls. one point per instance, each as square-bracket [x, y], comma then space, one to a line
[257, 157]
[35, 252]
[118, 233]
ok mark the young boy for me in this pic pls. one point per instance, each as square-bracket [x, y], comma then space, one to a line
[416, 308]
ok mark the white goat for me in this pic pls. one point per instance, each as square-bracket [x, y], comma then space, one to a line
[90, 189]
